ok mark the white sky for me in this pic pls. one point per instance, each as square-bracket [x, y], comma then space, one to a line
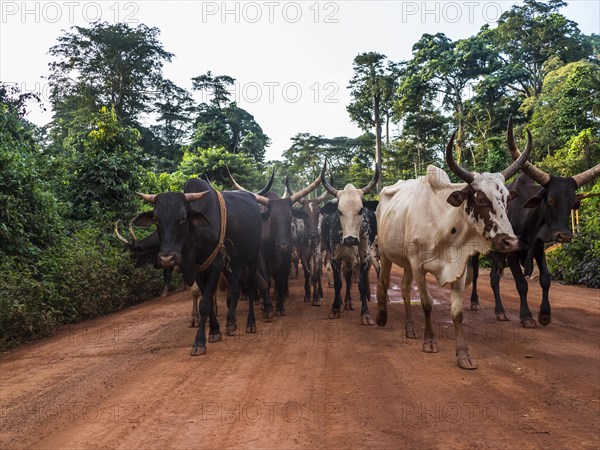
[292, 60]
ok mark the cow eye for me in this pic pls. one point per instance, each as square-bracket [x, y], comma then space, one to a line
[340, 212]
[182, 220]
[551, 201]
[360, 211]
[482, 201]
[155, 219]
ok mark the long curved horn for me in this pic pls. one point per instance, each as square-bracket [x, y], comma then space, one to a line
[307, 190]
[118, 235]
[259, 197]
[131, 232]
[191, 196]
[461, 173]
[536, 174]
[516, 165]
[150, 198]
[373, 181]
[267, 188]
[587, 176]
[322, 197]
[288, 189]
[329, 188]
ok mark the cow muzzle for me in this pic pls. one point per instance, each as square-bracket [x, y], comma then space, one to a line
[505, 243]
[562, 237]
[350, 241]
[168, 259]
[283, 247]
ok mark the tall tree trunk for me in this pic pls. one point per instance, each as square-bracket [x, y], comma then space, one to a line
[377, 117]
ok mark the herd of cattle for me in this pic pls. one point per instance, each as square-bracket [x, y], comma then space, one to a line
[424, 225]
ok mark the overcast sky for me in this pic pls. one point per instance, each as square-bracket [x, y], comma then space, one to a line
[292, 60]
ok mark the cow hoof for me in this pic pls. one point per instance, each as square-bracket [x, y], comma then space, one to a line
[349, 306]
[316, 302]
[194, 323]
[430, 347]
[366, 319]
[231, 329]
[306, 299]
[410, 333]
[280, 313]
[475, 307]
[382, 319]
[544, 319]
[528, 323]
[466, 362]
[250, 328]
[502, 317]
[256, 302]
[164, 294]
[268, 315]
[215, 337]
[196, 351]
[335, 314]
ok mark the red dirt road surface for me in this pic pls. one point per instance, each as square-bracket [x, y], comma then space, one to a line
[303, 381]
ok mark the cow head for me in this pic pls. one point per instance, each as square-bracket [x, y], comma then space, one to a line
[278, 211]
[555, 199]
[311, 209]
[349, 206]
[486, 199]
[173, 216]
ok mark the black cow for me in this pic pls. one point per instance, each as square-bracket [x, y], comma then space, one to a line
[348, 232]
[206, 237]
[276, 239]
[145, 251]
[307, 240]
[538, 214]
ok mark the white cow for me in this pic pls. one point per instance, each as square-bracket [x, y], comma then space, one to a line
[432, 225]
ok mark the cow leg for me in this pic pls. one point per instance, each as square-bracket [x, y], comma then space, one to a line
[251, 321]
[307, 280]
[265, 289]
[208, 292]
[233, 278]
[316, 280]
[167, 275]
[281, 279]
[409, 324]
[214, 334]
[429, 340]
[464, 359]
[524, 312]
[348, 297]
[544, 316]
[474, 262]
[383, 282]
[195, 315]
[495, 273]
[364, 289]
[336, 307]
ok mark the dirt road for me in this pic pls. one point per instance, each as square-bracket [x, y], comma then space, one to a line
[127, 380]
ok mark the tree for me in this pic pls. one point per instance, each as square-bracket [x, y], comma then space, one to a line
[104, 170]
[526, 37]
[221, 123]
[446, 68]
[373, 89]
[109, 65]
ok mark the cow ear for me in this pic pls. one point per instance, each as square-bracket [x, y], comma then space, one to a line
[198, 219]
[371, 204]
[457, 198]
[577, 204]
[299, 214]
[536, 200]
[329, 208]
[144, 219]
[512, 195]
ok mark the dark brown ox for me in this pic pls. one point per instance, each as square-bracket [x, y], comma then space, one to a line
[276, 239]
[539, 214]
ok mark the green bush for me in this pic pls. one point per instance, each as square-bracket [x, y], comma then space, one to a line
[87, 274]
